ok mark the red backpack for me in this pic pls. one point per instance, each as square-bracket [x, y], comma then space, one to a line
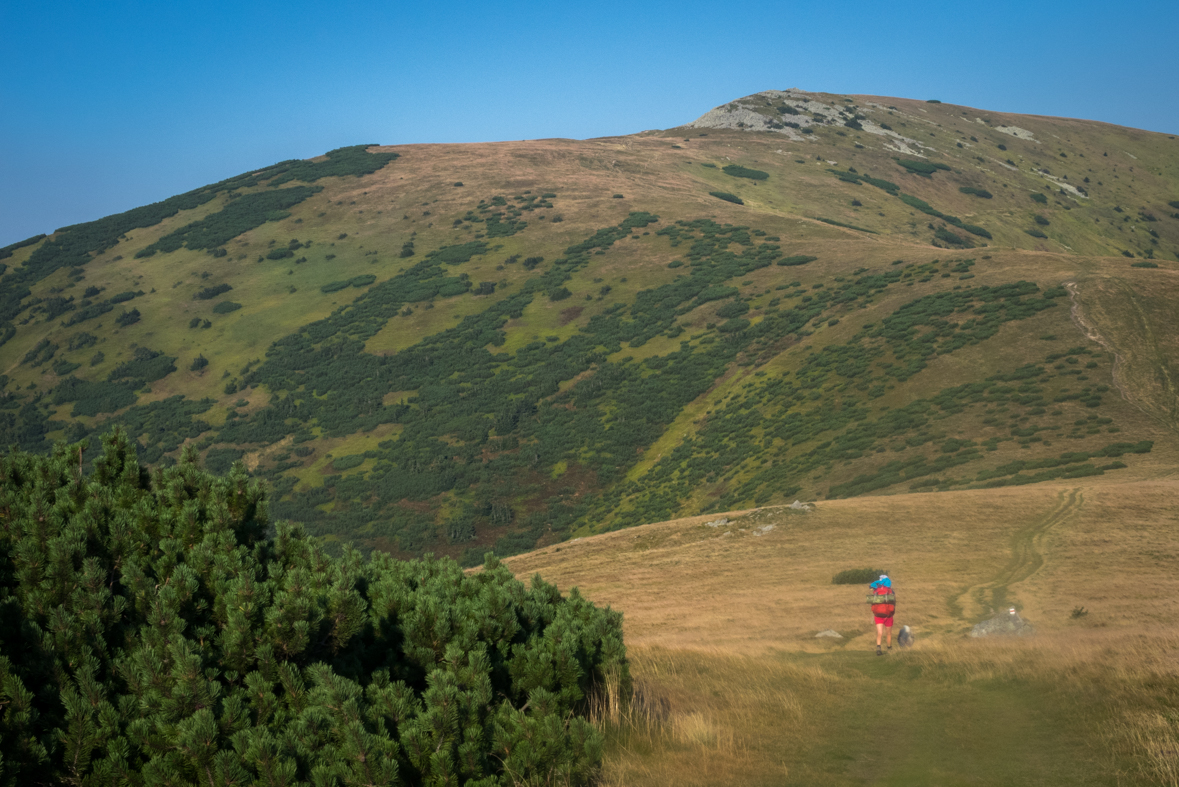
[883, 601]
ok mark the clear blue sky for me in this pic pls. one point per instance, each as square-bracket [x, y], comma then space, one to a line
[108, 105]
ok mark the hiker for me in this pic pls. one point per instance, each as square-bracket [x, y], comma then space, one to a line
[884, 606]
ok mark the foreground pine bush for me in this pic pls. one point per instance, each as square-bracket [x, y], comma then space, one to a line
[154, 629]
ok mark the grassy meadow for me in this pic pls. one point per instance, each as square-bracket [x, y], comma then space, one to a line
[732, 686]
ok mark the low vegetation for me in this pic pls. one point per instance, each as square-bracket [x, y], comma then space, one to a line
[158, 627]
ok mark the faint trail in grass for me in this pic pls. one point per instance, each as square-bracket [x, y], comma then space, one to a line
[1090, 330]
[1026, 559]
[1163, 406]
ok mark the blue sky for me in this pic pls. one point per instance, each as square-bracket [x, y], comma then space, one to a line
[108, 105]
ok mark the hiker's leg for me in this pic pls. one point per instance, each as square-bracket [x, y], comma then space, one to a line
[880, 633]
[890, 636]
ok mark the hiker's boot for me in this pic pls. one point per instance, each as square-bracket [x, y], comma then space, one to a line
[878, 651]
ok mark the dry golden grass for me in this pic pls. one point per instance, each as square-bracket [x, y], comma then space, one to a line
[686, 585]
[733, 687]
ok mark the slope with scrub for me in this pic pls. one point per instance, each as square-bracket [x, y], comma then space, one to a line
[462, 348]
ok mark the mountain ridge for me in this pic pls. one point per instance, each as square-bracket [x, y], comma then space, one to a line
[425, 348]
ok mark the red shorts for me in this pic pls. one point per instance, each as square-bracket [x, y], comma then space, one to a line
[886, 621]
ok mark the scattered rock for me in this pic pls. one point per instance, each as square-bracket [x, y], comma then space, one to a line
[800, 506]
[1007, 625]
[761, 531]
[717, 523]
[829, 633]
[1019, 133]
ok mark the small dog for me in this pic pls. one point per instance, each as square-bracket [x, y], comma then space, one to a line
[905, 639]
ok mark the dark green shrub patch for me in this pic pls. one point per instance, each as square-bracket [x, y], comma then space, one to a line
[734, 325]
[209, 293]
[80, 341]
[923, 168]
[797, 259]
[456, 255]
[92, 398]
[12, 248]
[42, 352]
[1144, 264]
[523, 667]
[128, 318]
[983, 193]
[880, 183]
[732, 309]
[238, 216]
[220, 460]
[727, 197]
[857, 576]
[75, 245]
[225, 307]
[145, 366]
[1040, 198]
[737, 171]
[835, 223]
[354, 161]
[63, 367]
[945, 236]
[348, 462]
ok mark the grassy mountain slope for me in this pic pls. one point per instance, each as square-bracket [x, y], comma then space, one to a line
[452, 348]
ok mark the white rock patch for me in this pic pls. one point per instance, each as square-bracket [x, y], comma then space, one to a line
[1016, 131]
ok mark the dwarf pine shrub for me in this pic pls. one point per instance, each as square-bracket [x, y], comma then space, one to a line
[737, 171]
[857, 576]
[158, 628]
[727, 197]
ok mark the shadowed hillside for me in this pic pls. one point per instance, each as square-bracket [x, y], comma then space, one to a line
[456, 348]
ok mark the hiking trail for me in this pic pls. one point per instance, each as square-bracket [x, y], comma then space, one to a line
[1026, 559]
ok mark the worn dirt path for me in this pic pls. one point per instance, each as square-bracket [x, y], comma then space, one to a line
[981, 601]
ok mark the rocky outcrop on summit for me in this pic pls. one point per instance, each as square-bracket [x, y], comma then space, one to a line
[795, 113]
